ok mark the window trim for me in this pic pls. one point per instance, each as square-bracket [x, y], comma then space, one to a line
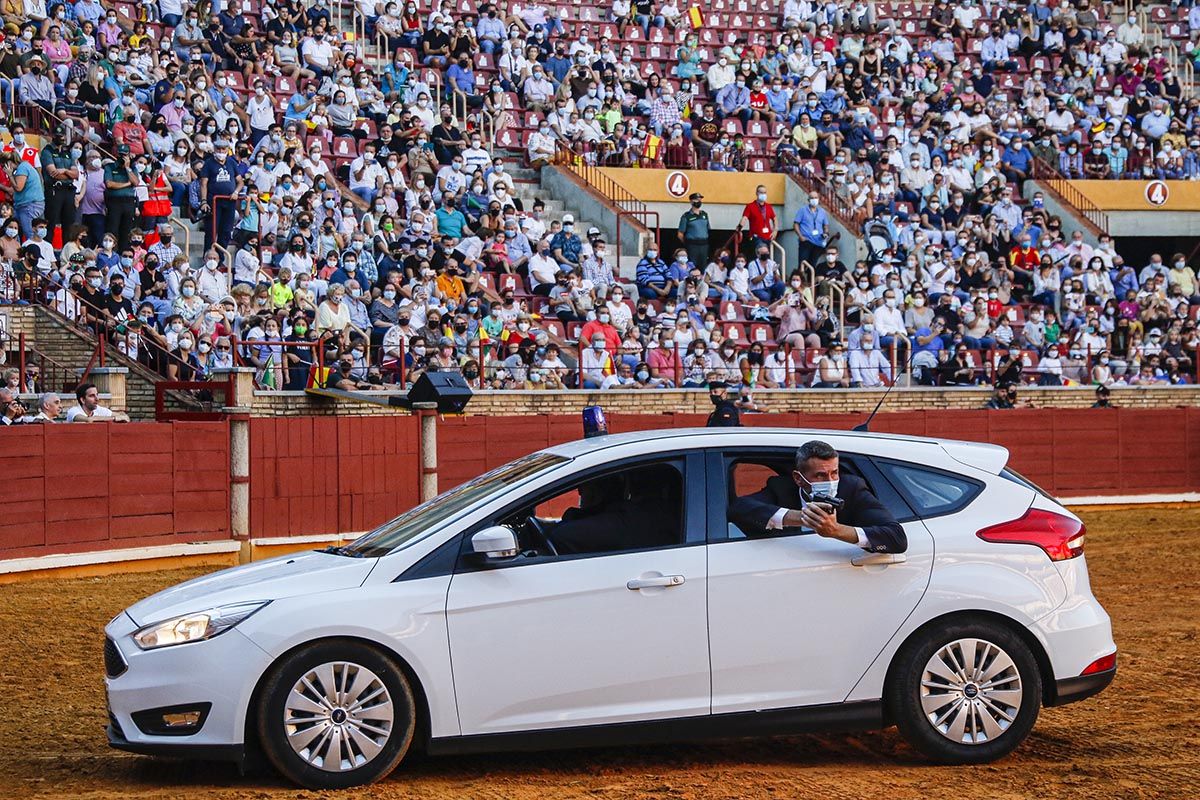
[690, 463]
[977, 485]
[717, 464]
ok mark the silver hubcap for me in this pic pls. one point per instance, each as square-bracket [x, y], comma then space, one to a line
[338, 716]
[971, 691]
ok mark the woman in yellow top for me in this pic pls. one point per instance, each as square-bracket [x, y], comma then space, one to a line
[804, 136]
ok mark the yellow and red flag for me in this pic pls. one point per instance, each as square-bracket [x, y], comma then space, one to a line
[696, 17]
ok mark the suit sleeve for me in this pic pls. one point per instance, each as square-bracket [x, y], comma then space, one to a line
[752, 512]
[884, 534]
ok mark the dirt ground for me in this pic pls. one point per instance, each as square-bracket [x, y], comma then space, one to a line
[1138, 739]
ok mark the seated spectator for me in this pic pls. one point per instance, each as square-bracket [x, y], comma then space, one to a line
[88, 408]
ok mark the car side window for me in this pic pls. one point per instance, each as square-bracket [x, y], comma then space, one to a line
[747, 473]
[930, 492]
[639, 507]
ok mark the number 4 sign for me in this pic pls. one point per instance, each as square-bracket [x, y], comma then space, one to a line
[1157, 193]
[678, 184]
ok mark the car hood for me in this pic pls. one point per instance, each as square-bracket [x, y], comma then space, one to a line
[273, 579]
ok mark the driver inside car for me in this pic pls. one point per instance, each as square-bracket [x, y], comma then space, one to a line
[610, 519]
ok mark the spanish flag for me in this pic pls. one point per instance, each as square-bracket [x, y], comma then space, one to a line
[652, 146]
[696, 17]
[318, 377]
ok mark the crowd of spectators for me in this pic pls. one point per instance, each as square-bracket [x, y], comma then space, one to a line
[358, 208]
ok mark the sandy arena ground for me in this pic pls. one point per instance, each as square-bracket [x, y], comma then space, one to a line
[1138, 739]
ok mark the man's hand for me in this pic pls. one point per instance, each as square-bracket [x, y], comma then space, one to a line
[823, 522]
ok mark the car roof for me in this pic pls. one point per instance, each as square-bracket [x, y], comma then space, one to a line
[989, 457]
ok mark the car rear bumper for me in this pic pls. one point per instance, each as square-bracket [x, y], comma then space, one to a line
[1072, 690]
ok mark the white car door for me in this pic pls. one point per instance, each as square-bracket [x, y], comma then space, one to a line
[793, 621]
[549, 642]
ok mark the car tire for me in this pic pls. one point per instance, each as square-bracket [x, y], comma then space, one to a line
[967, 692]
[336, 714]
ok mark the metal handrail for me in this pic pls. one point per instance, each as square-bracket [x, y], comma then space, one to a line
[853, 219]
[187, 234]
[1092, 216]
[317, 348]
[808, 271]
[776, 247]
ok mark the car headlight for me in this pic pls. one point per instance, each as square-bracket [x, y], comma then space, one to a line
[194, 627]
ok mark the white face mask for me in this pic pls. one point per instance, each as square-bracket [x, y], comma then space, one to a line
[823, 488]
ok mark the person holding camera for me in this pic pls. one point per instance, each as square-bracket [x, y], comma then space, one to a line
[817, 498]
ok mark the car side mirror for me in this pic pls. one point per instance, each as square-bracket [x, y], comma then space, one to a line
[497, 543]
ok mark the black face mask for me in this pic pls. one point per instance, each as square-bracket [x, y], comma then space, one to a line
[754, 358]
[470, 374]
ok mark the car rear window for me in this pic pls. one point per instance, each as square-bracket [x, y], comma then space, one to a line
[931, 492]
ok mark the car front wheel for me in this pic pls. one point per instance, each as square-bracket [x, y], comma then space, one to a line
[965, 693]
[336, 714]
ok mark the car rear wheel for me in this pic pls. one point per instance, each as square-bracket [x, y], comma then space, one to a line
[965, 693]
[336, 714]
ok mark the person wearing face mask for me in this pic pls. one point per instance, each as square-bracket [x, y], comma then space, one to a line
[759, 217]
[60, 170]
[817, 498]
[694, 230]
[221, 178]
[29, 200]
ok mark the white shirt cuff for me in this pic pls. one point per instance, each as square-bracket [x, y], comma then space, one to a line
[862, 542]
[775, 523]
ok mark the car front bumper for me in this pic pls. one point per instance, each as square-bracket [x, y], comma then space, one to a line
[219, 673]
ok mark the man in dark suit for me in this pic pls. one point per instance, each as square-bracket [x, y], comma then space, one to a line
[789, 503]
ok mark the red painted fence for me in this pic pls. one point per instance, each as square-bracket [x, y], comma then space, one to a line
[1071, 452]
[72, 488]
[322, 475]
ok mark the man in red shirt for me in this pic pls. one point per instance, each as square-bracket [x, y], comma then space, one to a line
[1025, 256]
[759, 218]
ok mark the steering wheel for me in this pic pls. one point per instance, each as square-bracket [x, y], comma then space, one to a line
[539, 529]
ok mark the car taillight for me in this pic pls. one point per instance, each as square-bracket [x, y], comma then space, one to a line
[1102, 664]
[1060, 537]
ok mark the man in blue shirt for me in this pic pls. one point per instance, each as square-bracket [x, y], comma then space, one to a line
[654, 277]
[734, 100]
[1017, 161]
[566, 245]
[451, 221]
[301, 104]
[220, 180]
[461, 76]
[927, 344]
[812, 227]
[490, 30]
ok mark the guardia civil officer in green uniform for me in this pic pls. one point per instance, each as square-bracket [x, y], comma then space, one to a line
[60, 168]
[726, 414]
[694, 230]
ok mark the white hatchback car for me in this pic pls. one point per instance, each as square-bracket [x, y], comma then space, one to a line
[458, 627]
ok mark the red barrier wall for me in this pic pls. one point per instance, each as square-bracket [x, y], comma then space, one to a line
[321, 475]
[72, 488]
[1071, 452]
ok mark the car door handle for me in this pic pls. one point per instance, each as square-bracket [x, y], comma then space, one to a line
[662, 580]
[872, 559]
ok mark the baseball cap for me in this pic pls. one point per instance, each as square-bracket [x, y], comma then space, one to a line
[568, 218]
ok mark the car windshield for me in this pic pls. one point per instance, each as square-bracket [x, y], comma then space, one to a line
[413, 524]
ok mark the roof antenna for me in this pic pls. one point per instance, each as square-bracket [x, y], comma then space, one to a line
[865, 425]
